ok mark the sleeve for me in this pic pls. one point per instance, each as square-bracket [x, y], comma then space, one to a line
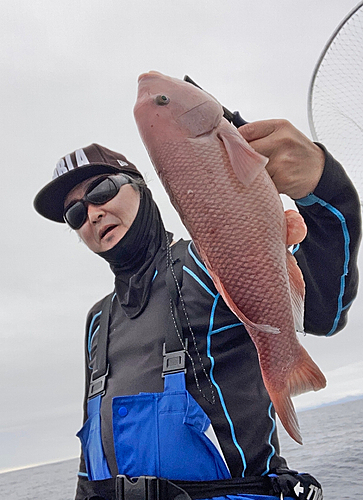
[328, 255]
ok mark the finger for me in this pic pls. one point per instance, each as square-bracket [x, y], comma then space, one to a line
[265, 146]
[257, 130]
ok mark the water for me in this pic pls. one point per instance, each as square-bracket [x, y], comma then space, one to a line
[332, 452]
[56, 481]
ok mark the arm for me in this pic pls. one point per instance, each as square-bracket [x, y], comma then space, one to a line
[328, 255]
[330, 206]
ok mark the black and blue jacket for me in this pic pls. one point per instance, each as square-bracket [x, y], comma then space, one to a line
[223, 373]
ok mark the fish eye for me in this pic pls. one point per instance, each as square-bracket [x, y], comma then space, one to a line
[162, 100]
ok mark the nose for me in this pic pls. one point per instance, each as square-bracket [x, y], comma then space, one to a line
[95, 213]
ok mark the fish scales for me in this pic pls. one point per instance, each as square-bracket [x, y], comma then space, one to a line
[233, 231]
[232, 210]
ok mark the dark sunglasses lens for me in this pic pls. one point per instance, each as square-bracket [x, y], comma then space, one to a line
[76, 215]
[103, 192]
[100, 192]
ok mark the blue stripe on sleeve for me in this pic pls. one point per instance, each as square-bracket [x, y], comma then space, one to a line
[273, 451]
[311, 199]
[90, 333]
[198, 280]
[197, 261]
[211, 374]
[295, 249]
[211, 332]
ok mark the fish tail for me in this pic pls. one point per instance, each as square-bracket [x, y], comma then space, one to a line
[305, 377]
[285, 410]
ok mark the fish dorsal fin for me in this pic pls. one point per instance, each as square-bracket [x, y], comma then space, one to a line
[295, 227]
[245, 161]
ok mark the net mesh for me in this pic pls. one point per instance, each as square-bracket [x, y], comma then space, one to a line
[336, 96]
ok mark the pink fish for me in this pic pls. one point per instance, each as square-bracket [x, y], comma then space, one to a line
[234, 214]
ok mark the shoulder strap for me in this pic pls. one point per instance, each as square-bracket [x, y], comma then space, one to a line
[175, 346]
[100, 370]
[174, 273]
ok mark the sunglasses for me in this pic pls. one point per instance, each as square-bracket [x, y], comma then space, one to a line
[99, 192]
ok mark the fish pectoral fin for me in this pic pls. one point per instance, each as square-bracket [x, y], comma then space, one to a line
[297, 291]
[245, 161]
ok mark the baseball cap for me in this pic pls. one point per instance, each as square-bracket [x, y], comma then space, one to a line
[75, 168]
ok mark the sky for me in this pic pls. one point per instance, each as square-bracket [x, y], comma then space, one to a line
[69, 78]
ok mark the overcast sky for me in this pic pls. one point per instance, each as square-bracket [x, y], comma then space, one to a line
[69, 78]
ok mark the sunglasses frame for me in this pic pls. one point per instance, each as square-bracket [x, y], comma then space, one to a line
[118, 180]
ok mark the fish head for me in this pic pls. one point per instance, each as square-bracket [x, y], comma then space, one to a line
[172, 109]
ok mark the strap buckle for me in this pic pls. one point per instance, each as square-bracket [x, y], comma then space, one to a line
[97, 385]
[140, 488]
[174, 362]
[148, 488]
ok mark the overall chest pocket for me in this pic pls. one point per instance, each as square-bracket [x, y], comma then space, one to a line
[164, 435]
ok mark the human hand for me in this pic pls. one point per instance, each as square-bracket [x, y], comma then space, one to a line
[295, 162]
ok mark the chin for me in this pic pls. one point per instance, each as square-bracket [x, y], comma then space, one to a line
[112, 242]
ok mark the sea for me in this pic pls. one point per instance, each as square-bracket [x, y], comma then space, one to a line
[332, 452]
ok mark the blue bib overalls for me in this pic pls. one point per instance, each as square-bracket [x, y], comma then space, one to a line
[157, 434]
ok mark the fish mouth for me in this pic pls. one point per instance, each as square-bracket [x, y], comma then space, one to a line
[106, 230]
[150, 73]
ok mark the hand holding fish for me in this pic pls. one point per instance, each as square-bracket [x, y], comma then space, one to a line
[295, 163]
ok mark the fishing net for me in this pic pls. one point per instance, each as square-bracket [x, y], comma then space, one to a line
[335, 103]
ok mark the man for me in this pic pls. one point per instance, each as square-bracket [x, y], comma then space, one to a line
[165, 317]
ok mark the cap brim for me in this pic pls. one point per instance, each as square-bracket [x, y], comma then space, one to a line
[49, 202]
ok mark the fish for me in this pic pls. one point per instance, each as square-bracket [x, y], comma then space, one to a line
[235, 216]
